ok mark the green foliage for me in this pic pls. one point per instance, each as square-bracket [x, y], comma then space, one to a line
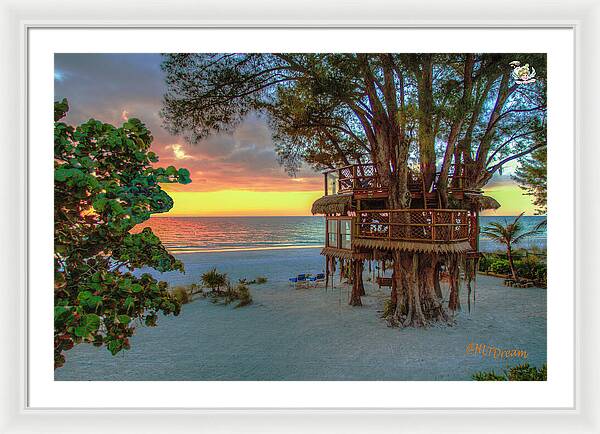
[214, 280]
[530, 265]
[527, 373]
[488, 376]
[327, 109]
[500, 266]
[509, 234]
[516, 373]
[261, 280]
[388, 309]
[242, 293]
[104, 185]
[182, 294]
[532, 177]
[239, 292]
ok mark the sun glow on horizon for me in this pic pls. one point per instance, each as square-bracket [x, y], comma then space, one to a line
[229, 203]
[241, 203]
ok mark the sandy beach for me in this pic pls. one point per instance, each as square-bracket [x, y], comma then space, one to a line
[312, 334]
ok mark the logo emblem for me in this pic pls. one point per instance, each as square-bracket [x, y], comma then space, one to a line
[522, 74]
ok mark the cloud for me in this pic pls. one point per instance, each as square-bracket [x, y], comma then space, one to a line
[178, 151]
[116, 87]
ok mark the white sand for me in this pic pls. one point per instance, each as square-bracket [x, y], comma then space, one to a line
[310, 334]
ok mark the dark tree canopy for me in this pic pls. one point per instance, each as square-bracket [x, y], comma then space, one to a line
[104, 184]
[431, 110]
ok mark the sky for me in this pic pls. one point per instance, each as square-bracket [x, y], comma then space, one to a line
[233, 174]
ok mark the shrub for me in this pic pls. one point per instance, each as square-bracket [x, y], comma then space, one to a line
[484, 263]
[488, 376]
[516, 373]
[260, 280]
[500, 266]
[214, 280]
[531, 267]
[388, 309]
[240, 292]
[181, 294]
[527, 373]
[243, 295]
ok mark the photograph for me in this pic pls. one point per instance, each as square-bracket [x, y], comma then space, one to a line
[290, 216]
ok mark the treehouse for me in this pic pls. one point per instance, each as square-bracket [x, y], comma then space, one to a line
[361, 226]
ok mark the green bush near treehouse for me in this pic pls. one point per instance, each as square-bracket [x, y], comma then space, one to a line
[529, 266]
[500, 266]
[104, 185]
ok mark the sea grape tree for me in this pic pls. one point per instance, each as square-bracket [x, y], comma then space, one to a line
[104, 185]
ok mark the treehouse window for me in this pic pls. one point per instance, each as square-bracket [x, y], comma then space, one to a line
[332, 233]
[345, 234]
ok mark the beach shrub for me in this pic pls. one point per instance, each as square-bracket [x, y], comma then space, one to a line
[181, 294]
[243, 295]
[516, 373]
[214, 280]
[527, 373]
[488, 376]
[261, 280]
[388, 309]
[239, 293]
[531, 267]
[499, 266]
[105, 183]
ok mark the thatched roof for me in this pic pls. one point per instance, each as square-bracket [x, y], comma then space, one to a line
[334, 204]
[484, 202]
[413, 246]
[344, 253]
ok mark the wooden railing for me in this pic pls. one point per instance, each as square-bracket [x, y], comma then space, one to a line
[364, 178]
[419, 225]
[357, 177]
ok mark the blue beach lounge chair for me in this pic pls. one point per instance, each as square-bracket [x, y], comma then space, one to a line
[319, 278]
[299, 280]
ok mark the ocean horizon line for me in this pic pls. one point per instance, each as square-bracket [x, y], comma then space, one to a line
[178, 251]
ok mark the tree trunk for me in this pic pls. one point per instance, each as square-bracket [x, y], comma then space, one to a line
[454, 276]
[511, 262]
[361, 285]
[356, 281]
[436, 282]
[394, 291]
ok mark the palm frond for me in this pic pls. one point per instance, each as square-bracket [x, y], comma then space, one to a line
[520, 237]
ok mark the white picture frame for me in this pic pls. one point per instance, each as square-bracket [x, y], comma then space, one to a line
[19, 17]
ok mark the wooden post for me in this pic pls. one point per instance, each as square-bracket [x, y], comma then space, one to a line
[433, 226]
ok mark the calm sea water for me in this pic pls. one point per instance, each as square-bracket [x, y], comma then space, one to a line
[197, 234]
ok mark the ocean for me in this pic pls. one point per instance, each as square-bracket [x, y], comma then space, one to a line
[218, 234]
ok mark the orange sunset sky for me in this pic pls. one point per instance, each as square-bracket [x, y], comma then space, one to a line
[233, 174]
